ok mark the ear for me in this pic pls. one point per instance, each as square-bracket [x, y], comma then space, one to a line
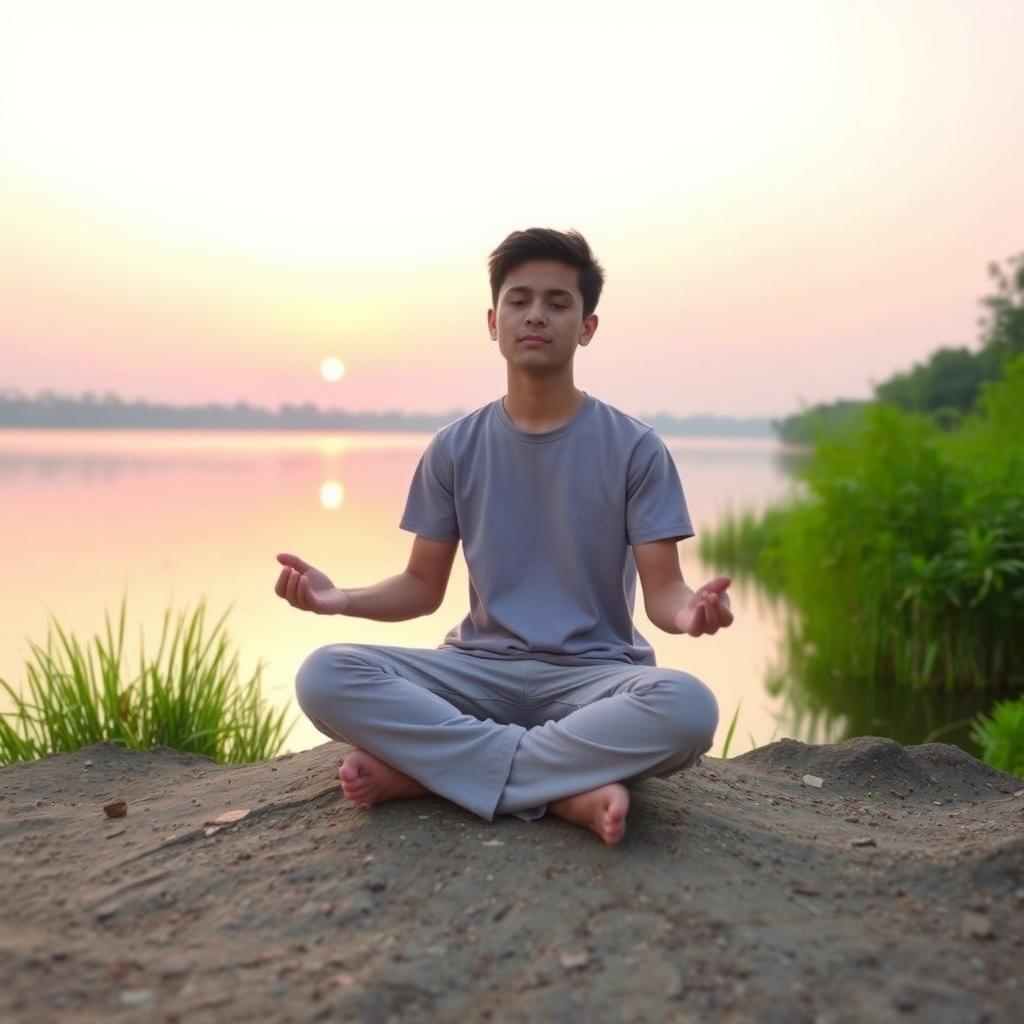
[492, 324]
[589, 326]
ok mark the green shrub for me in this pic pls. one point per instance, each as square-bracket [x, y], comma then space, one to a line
[1000, 735]
[186, 696]
[902, 558]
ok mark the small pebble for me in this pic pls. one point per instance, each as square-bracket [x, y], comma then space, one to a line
[976, 926]
[115, 809]
[229, 817]
[572, 961]
[136, 997]
[813, 780]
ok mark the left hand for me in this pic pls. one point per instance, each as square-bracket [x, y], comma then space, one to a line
[708, 610]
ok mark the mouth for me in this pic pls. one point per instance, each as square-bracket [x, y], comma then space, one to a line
[534, 339]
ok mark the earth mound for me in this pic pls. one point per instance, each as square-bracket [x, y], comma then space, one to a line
[894, 891]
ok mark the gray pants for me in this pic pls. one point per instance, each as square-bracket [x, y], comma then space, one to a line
[507, 736]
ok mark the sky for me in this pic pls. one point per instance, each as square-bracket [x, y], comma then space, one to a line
[203, 201]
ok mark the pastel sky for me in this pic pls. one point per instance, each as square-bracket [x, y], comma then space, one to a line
[202, 201]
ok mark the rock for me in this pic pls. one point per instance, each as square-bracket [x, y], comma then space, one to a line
[813, 780]
[229, 817]
[864, 841]
[136, 997]
[115, 809]
[976, 926]
[573, 961]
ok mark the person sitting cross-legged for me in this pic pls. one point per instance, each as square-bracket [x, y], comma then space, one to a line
[545, 697]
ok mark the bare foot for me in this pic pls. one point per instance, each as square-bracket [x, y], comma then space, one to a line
[602, 810]
[366, 780]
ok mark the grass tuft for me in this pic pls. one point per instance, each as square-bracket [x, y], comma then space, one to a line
[186, 696]
[1001, 736]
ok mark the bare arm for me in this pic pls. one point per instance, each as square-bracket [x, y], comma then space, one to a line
[670, 604]
[419, 590]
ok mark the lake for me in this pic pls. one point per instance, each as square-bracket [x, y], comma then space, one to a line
[166, 517]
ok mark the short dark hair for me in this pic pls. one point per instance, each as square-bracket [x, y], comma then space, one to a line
[547, 244]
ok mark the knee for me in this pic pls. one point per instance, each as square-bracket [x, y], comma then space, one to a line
[692, 710]
[321, 676]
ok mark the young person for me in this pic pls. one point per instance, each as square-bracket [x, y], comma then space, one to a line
[545, 697]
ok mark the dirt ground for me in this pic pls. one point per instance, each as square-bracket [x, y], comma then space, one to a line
[894, 892]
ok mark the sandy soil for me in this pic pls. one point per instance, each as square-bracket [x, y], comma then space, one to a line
[893, 892]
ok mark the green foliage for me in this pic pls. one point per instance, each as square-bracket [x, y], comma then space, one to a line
[904, 556]
[185, 696]
[1003, 328]
[949, 380]
[824, 422]
[731, 730]
[749, 543]
[1001, 736]
[948, 384]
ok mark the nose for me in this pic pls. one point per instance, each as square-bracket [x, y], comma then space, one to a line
[535, 314]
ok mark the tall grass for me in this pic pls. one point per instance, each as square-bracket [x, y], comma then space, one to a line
[1001, 736]
[904, 562]
[186, 695]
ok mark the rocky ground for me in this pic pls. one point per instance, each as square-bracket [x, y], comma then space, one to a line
[892, 892]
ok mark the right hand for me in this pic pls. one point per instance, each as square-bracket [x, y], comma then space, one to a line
[309, 589]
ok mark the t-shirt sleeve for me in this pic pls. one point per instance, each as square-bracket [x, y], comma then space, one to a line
[430, 506]
[655, 504]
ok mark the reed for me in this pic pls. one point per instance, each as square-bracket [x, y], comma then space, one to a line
[187, 695]
[903, 558]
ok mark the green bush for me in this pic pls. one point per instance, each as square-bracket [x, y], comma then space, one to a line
[186, 696]
[903, 556]
[1000, 735]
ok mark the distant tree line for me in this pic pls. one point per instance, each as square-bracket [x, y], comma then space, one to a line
[90, 411]
[108, 411]
[948, 384]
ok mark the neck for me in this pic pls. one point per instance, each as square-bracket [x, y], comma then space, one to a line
[541, 404]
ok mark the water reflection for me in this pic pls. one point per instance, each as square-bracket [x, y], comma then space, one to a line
[820, 699]
[164, 518]
[332, 494]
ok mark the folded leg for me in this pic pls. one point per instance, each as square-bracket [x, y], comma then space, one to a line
[443, 719]
[620, 726]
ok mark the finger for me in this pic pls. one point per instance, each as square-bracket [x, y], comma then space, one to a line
[306, 602]
[293, 562]
[711, 613]
[726, 616]
[718, 585]
[698, 623]
[292, 591]
[282, 582]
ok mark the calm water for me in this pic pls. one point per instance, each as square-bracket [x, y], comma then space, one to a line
[168, 517]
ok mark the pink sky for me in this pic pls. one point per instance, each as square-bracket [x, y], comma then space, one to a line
[790, 200]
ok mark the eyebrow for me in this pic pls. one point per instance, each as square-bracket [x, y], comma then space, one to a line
[550, 291]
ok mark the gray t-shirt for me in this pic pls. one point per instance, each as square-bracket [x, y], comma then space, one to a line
[546, 522]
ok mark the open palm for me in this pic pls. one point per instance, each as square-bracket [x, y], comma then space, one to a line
[307, 588]
[708, 610]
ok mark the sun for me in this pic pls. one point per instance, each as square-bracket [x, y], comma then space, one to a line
[332, 369]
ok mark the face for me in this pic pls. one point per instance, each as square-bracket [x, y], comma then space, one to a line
[539, 319]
